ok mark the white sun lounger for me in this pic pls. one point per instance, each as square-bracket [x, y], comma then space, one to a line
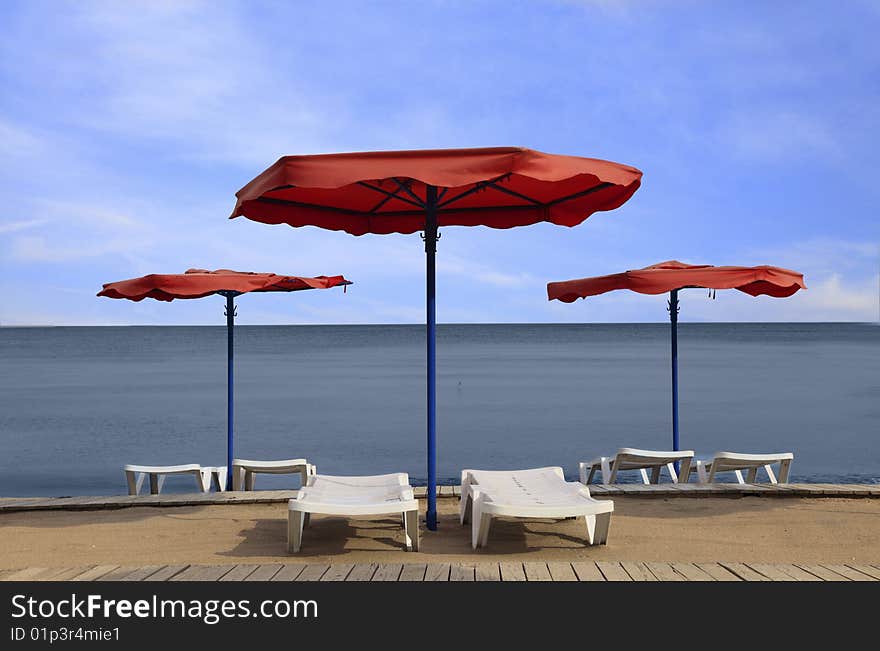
[244, 471]
[354, 496]
[641, 460]
[736, 462]
[134, 476]
[534, 493]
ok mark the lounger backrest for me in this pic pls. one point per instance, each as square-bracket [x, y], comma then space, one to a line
[529, 485]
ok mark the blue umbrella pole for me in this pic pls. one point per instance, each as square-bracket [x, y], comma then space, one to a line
[673, 319]
[230, 403]
[430, 238]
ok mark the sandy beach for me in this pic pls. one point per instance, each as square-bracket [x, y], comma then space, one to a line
[750, 529]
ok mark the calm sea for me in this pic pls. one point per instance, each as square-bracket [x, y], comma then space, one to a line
[78, 403]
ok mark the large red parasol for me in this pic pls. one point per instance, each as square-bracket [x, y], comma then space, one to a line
[198, 283]
[409, 191]
[671, 276]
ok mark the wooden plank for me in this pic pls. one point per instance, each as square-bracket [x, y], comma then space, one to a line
[718, 572]
[866, 569]
[535, 571]
[94, 573]
[638, 571]
[772, 572]
[264, 572]
[587, 571]
[823, 573]
[165, 573]
[140, 574]
[848, 572]
[487, 572]
[362, 572]
[312, 572]
[437, 572]
[561, 571]
[62, 573]
[691, 572]
[388, 572]
[664, 572]
[288, 572]
[239, 572]
[797, 573]
[512, 572]
[613, 571]
[744, 572]
[119, 573]
[413, 572]
[337, 572]
[26, 574]
[462, 572]
[202, 573]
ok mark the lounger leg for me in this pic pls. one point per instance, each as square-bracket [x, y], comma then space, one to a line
[411, 530]
[155, 487]
[770, 474]
[701, 472]
[603, 525]
[684, 469]
[204, 480]
[670, 468]
[161, 482]
[134, 486]
[607, 478]
[784, 468]
[249, 480]
[465, 508]
[739, 476]
[480, 532]
[655, 475]
[294, 531]
[591, 528]
[752, 476]
[237, 477]
[591, 475]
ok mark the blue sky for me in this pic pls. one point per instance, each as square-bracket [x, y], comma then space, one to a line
[126, 129]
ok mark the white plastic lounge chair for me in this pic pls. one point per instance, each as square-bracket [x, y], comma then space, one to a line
[354, 496]
[244, 471]
[534, 493]
[641, 460]
[134, 476]
[736, 462]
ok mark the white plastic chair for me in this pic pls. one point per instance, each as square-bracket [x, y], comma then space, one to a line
[244, 471]
[533, 493]
[737, 462]
[354, 496]
[135, 475]
[641, 460]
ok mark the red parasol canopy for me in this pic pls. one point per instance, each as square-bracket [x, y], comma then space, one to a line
[197, 283]
[667, 276]
[385, 192]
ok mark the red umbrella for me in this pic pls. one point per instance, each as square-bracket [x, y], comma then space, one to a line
[197, 283]
[408, 191]
[672, 276]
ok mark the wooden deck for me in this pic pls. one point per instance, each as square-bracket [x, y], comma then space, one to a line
[505, 571]
[13, 504]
